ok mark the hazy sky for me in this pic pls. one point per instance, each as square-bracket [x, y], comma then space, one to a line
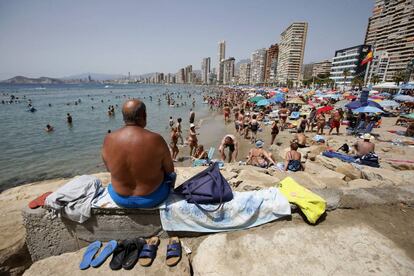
[60, 38]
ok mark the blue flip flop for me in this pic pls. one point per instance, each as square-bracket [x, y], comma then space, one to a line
[90, 252]
[105, 253]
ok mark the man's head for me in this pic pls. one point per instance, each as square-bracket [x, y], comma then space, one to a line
[259, 144]
[228, 140]
[179, 120]
[134, 113]
[367, 137]
[294, 146]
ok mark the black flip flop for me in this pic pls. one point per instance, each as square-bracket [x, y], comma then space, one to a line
[118, 255]
[132, 252]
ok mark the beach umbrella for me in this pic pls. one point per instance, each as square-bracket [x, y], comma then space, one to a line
[341, 104]
[404, 98]
[389, 103]
[367, 109]
[358, 104]
[385, 94]
[278, 98]
[324, 109]
[263, 102]
[256, 99]
[409, 116]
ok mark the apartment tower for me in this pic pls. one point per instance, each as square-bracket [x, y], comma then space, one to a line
[390, 32]
[205, 70]
[221, 58]
[291, 52]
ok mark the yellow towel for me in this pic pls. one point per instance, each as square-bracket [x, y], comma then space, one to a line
[312, 205]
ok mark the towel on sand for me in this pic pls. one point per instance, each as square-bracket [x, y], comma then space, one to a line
[247, 209]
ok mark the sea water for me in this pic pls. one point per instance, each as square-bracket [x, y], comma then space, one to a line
[28, 153]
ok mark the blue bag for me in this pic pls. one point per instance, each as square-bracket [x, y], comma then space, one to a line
[206, 187]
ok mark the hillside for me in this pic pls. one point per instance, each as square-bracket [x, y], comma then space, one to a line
[25, 80]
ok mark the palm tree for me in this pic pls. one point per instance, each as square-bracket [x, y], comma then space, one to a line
[346, 74]
[398, 77]
[375, 79]
[357, 81]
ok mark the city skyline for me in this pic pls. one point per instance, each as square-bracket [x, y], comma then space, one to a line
[58, 39]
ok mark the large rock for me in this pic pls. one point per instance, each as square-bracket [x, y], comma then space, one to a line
[343, 250]
[384, 176]
[251, 179]
[13, 251]
[362, 183]
[322, 172]
[68, 264]
[329, 163]
[349, 171]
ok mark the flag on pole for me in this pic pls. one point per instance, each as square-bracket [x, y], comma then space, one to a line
[368, 58]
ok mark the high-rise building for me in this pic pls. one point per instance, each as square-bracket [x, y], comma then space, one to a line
[391, 31]
[349, 60]
[228, 70]
[221, 57]
[291, 52]
[321, 68]
[188, 74]
[258, 65]
[180, 76]
[307, 71]
[244, 74]
[205, 70]
[271, 64]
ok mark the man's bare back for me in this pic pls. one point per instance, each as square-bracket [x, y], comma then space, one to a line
[137, 159]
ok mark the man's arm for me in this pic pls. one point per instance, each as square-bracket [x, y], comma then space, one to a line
[167, 162]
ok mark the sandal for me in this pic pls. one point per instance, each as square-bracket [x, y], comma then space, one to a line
[132, 252]
[173, 251]
[149, 251]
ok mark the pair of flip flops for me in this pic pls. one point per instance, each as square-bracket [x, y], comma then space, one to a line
[89, 259]
[149, 252]
[126, 254]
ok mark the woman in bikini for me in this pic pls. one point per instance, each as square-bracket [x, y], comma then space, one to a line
[275, 131]
[173, 143]
[192, 139]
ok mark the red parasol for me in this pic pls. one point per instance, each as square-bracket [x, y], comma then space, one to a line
[324, 109]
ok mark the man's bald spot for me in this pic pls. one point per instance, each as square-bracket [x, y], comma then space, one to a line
[133, 110]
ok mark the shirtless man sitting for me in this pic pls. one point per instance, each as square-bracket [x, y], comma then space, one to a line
[365, 146]
[229, 141]
[140, 163]
[300, 139]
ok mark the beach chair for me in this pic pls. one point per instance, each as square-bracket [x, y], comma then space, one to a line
[204, 162]
[368, 129]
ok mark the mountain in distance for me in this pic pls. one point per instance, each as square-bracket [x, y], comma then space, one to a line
[95, 76]
[25, 80]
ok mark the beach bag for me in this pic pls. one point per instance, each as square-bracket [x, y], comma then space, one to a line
[311, 205]
[206, 187]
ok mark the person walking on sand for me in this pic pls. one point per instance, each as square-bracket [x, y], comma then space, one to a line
[180, 131]
[229, 141]
[274, 131]
[173, 145]
[335, 122]
[320, 123]
[226, 111]
[192, 116]
[254, 127]
[192, 139]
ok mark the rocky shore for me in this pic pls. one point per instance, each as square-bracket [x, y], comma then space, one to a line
[342, 185]
[368, 227]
